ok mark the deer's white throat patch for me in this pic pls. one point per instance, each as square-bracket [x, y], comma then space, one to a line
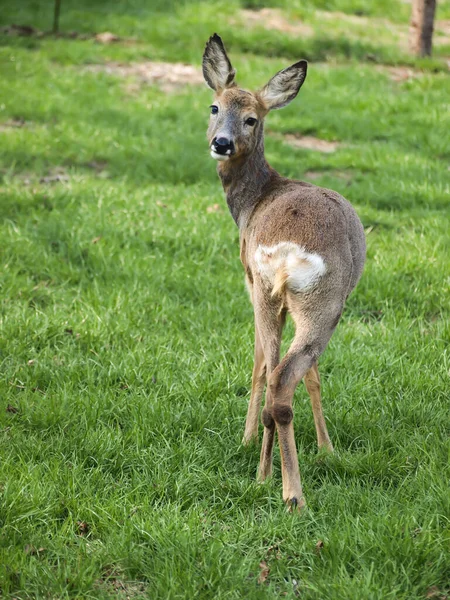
[217, 156]
[300, 269]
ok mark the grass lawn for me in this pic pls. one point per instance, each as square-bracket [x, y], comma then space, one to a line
[126, 333]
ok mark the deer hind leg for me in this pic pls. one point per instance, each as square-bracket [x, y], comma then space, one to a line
[282, 384]
[266, 456]
[314, 321]
[312, 383]
[270, 317]
[258, 383]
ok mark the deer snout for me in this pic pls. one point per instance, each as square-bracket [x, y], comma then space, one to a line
[222, 147]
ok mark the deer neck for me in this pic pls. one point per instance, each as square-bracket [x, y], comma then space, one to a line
[244, 181]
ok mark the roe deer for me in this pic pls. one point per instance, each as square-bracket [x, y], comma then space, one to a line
[302, 248]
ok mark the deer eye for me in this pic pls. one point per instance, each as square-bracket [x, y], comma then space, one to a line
[250, 121]
[214, 109]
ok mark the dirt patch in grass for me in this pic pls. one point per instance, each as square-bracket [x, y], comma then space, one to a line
[116, 584]
[309, 142]
[399, 74]
[168, 76]
[104, 37]
[313, 175]
[363, 27]
[56, 174]
[273, 18]
[441, 35]
[123, 590]
[12, 125]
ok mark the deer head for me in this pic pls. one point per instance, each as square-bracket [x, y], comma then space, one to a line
[237, 116]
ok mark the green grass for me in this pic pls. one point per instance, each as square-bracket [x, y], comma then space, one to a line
[126, 332]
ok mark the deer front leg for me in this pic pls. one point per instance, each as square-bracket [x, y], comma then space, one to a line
[258, 383]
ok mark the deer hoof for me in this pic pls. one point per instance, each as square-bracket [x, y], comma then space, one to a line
[295, 504]
[250, 440]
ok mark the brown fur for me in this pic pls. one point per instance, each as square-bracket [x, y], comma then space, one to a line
[269, 210]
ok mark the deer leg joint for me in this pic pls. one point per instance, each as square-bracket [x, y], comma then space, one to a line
[282, 414]
[266, 418]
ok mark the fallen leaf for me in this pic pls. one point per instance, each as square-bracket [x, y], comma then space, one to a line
[264, 572]
[12, 409]
[96, 239]
[31, 362]
[435, 592]
[161, 204]
[32, 551]
[319, 546]
[274, 550]
[83, 527]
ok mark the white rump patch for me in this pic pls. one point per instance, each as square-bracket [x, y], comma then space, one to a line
[300, 270]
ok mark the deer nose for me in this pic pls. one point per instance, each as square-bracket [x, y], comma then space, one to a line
[223, 145]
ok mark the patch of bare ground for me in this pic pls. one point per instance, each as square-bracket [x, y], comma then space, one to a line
[114, 584]
[348, 18]
[382, 29]
[313, 175]
[400, 74]
[12, 125]
[442, 32]
[168, 76]
[309, 142]
[53, 175]
[104, 37]
[273, 18]
[124, 590]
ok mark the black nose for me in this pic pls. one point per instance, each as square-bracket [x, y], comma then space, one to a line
[223, 145]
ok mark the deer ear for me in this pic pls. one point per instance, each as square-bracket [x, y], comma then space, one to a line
[217, 69]
[284, 86]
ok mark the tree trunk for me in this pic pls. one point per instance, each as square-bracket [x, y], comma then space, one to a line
[421, 29]
[56, 16]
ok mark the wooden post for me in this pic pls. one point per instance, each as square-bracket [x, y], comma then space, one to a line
[421, 27]
[56, 16]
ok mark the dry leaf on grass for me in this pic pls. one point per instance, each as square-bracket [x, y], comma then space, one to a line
[12, 409]
[32, 551]
[264, 572]
[82, 527]
[435, 592]
[319, 546]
